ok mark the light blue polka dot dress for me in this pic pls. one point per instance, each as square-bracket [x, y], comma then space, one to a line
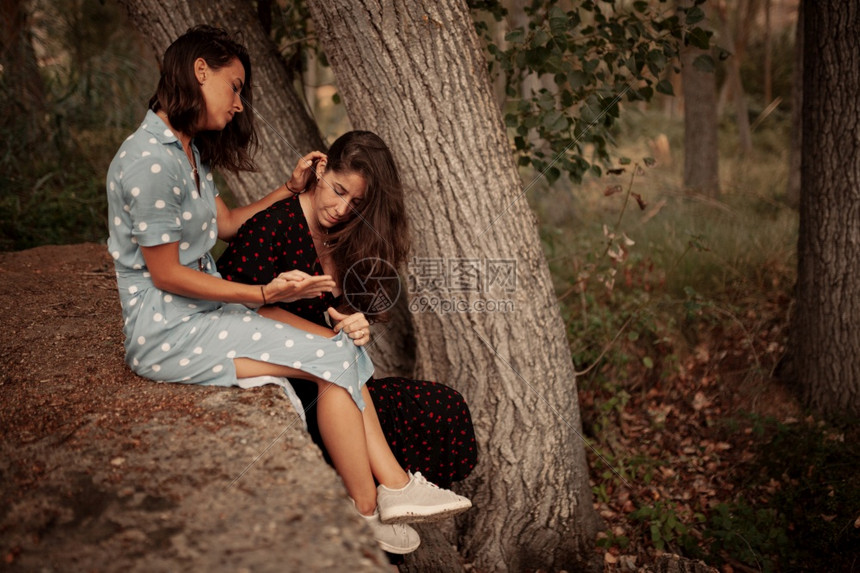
[152, 200]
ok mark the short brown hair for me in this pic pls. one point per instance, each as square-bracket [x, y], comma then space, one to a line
[179, 95]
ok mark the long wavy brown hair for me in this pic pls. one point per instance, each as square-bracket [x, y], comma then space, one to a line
[367, 248]
[179, 95]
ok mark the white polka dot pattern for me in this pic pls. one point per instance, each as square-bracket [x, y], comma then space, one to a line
[152, 201]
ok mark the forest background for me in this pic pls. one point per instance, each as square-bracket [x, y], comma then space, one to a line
[676, 298]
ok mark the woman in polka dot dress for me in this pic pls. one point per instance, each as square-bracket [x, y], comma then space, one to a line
[427, 425]
[184, 323]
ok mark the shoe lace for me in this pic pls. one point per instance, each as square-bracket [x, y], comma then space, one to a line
[422, 480]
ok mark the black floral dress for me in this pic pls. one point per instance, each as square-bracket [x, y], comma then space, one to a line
[427, 424]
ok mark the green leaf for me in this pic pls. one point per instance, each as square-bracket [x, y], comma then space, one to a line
[704, 63]
[695, 15]
[515, 36]
[648, 363]
[566, 98]
[545, 101]
[520, 59]
[656, 61]
[665, 87]
[536, 58]
[557, 13]
[555, 121]
[577, 79]
[540, 38]
[699, 38]
[558, 22]
[554, 64]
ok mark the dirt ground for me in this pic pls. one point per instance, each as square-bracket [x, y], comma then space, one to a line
[101, 470]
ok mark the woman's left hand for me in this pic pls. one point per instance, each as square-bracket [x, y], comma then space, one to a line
[303, 172]
[294, 285]
[354, 325]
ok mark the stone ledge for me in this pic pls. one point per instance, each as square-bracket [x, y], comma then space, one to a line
[104, 471]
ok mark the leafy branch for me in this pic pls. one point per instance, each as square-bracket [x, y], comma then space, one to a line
[583, 59]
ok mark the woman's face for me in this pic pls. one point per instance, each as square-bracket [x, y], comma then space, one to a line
[336, 195]
[221, 90]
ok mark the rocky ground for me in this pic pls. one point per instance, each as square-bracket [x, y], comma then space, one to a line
[101, 470]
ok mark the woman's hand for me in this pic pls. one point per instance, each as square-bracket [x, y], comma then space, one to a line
[294, 285]
[304, 169]
[354, 325]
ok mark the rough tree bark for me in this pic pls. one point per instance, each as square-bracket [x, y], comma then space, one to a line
[825, 337]
[794, 156]
[284, 125]
[414, 73]
[701, 150]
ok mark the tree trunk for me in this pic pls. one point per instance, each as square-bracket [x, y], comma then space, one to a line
[736, 37]
[794, 157]
[415, 74]
[285, 128]
[23, 118]
[768, 55]
[701, 149]
[825, 336]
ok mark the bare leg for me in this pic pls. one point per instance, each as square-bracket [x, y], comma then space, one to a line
[341, 426]
[385, 466]
[249, 368]
[339, 423]
[357, 461]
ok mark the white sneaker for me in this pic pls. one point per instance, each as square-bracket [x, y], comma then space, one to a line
[395, 538]
[419, 500]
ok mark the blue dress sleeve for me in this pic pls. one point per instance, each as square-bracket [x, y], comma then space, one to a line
[153, 194]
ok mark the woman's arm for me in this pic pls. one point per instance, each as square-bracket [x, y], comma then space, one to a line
[168, 274]
[171, 276]
[229, 220]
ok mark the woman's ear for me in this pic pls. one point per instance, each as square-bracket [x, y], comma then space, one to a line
[200, 69]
